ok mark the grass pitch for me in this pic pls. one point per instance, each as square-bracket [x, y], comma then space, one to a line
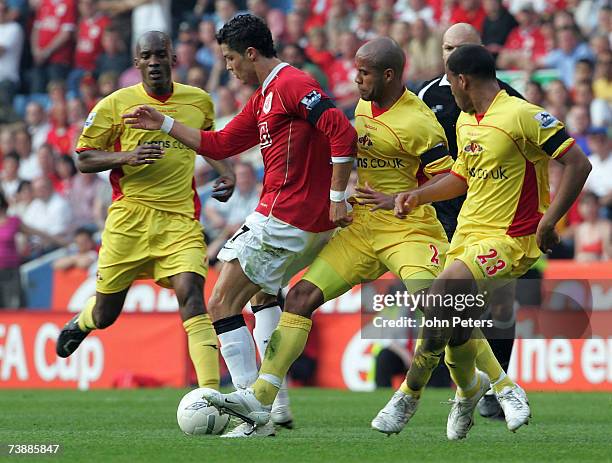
[331, 426]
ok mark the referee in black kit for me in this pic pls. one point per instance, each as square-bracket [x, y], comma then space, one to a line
[437, 95]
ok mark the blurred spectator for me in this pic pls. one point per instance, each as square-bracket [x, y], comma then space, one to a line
[224, 219]
[363, 23]
[88, 90]
[592, 238]
[46, 161]
[339, 18]
[18, 10]
[114, 57]
[557, 99]
[56, 92]
[28, 162]
[185, 60]
[534, 93]
[567, 53]
[317, 51]
[526, 43]
[469, 11]
[36, 120]
[599, 110]
[227, 107]
[584, 71]
[276, 23]
[7, 142]
[383, 22]
[295, 56]
[108, 83]
[102, 201]
[82, 200]
[600, 178]
[48, 211]
[600, 44]
[602, 85]
[197, 77]
[585, 13]
[497, 25]
[9, 178]
[52, 42]
[342, 74]
[11, 46]
[10, 258]
[400, 32]
[411, 10]
[206, 54]
[424, 52]
[22, 199]
[259, 8]
[66, 171]
[224, 11]
[295, 31]
[82, 252]
[77, 113]
[538, 6]
[578, 122]
[90, 29]
[60, 136]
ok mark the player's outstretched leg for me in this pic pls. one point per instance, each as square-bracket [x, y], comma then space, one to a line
[107, 308]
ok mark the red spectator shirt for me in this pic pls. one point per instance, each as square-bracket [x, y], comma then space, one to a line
[89, 41]
[297, 155]
[342, 75]
[61, 139]
[52, 17]
[532, 41]
[474, 17]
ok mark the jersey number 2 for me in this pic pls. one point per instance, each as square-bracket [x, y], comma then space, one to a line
[434, 258]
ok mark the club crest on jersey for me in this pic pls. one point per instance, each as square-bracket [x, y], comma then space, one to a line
[311, 100]
[546, 119]
[90, 119]
[365, 141]
[267, 106]
[473, 148]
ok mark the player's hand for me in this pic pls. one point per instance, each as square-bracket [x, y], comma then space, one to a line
[144, 154]
[405, 203]
[223, 188]
[144, 117]
[366, 195]
[339, 215]
[546, 236]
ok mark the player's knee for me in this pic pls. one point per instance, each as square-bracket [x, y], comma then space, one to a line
[303, 299]
[427, 359]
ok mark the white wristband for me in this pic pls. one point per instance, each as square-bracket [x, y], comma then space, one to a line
[337, 196]
[166, 126]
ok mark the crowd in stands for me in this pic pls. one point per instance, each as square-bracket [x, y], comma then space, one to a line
[59, 57]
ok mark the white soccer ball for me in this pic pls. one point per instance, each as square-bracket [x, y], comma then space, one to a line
[196, 416]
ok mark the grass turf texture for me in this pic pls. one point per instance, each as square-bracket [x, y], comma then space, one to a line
[140, 425]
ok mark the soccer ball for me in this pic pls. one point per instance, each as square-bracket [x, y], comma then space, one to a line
[196, 416]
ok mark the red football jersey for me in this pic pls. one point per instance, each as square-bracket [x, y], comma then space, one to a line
[52, 17]
[89, 41]
[296, 154]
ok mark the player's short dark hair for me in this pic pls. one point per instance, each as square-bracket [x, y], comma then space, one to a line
[244, 31]
[84, 231]
[472, 60]
[13, 154]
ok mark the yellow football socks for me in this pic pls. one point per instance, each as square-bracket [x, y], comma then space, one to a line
[487, 362]
[85, 320]
[286, 344]
[203, 350]
[460, 363]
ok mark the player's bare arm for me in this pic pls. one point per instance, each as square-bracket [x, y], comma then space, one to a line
[575, 172]
[148, 118]
[91, 161]
[448, 187]
[338, 211]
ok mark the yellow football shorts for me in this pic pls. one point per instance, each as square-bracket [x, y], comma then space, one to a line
[140, 242]
[412, 248]
[494, 257]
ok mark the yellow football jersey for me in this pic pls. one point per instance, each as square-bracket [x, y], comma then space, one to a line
[168, 184]
[400, 146]
[503, 156]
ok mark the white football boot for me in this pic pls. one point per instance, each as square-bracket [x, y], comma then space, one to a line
[461, 416]
[394, 416]
[515, 405]
[241, 403]
[247, 430]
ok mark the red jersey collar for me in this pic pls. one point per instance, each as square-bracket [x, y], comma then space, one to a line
[162, 98]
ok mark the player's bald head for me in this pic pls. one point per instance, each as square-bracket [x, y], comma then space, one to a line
[152, 40]
[383, 53]
[457, 35]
